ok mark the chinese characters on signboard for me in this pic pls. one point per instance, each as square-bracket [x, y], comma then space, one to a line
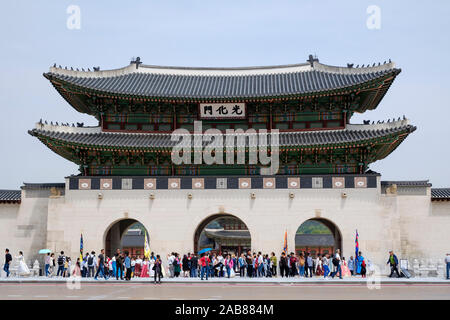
[222, 110]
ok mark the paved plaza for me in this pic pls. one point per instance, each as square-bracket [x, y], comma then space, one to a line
[222, 291]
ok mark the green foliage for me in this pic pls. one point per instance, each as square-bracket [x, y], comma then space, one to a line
[313, 227]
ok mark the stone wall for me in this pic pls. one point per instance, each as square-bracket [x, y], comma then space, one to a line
[411, 225]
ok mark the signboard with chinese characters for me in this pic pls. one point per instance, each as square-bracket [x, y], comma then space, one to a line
[222, 110]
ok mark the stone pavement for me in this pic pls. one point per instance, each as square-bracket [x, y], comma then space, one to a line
[295, 280]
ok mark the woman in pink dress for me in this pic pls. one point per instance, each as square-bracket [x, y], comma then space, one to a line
[144, 271]
[138, 267]
[345, 270]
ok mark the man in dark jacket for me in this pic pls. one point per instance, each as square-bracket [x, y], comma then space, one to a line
[119, 265]
[393, 262]
[8, 259]
[194, 266]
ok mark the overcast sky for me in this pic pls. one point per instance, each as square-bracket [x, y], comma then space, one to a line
[34, 35]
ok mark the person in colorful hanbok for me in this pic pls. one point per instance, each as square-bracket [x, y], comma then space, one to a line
[151, 264]
[359, 261]
[344, 268]
[138, 267]
[144, 271]
[319, 266]
[77, 269]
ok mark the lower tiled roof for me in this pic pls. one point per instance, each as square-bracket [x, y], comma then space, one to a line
[160, 140]
[440, 193]
[407, 183]
[10, 196]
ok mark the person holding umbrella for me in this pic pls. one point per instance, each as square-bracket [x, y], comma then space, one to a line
[204, 263]
[47, 260]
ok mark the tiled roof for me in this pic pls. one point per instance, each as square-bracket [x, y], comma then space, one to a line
[28, 186]
[220, 233]
[222, 83]
[411, 183]
[133, 241]
[353, 134]
[10, 196]
[323, 240]
[440, 193]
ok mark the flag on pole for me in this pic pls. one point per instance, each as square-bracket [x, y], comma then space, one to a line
[81, 248]
[285, 246]
[356, 245]
[146, 246]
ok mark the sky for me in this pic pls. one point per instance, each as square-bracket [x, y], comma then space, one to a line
[35, 35]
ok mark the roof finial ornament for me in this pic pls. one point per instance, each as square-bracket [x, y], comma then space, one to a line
[349, 65]
[390, 61]
[54, 65]
[312, 59]
[404, 118]
[96, 68]
[136, 61]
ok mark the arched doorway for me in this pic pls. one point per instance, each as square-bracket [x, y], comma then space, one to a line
[126, 234]
[318, 236]
[222, 233]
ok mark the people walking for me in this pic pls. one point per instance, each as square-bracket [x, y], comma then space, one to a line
[157, 268]
[337, 265]
[310, 265]
[393, 263]
[344, 267]
[301, 265]
[170, 259]
[325, 263]
[185, 265]
[47, 261]
[91, 263]
[447, 263]
[284, 265]
[359, 261]
[22, 269]
[194, 266]
[204, 263]
[144, 271]
[8, 259]
[274, 262]
[351, 265]
[61, 262]
[119, 265]
[101, 265]
[127, 265]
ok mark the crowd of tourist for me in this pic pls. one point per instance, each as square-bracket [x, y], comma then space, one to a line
[123, 266]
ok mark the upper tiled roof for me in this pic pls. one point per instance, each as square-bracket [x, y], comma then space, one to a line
[222, 83]
[95, 137]
[10, 196]
[440, 193]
